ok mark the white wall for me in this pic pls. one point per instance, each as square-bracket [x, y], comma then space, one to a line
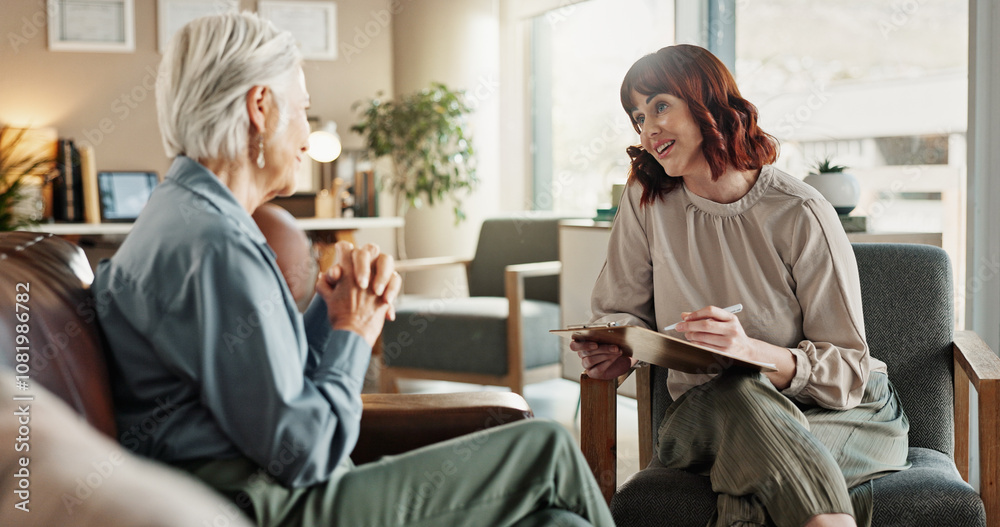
[455, 42]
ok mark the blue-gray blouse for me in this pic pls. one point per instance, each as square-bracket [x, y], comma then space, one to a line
[210, 359]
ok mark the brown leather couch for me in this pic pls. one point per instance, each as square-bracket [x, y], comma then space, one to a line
[65, 357]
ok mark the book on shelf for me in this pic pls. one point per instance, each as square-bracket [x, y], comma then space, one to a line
[365, 194]
[661, 349]
[88, 180]
[67, 186]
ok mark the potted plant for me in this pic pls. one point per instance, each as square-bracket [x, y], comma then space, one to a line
[840, 188]
[18, 209]
[424, 135]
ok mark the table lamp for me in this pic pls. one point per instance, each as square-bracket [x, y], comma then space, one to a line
[324, 144]
[325, 147]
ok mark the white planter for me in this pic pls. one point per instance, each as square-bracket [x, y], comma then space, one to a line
[841, 189]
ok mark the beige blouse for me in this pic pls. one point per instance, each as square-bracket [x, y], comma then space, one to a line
[780, 251]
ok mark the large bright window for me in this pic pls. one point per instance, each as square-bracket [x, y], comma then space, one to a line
[879, 85]
[579, 55]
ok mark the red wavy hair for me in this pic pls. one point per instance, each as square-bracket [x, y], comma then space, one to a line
[728, 122]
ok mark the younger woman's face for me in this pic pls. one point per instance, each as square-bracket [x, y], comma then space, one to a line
[669, 133]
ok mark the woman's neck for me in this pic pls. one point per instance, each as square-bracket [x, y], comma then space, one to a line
[238, 177]
[732, 185]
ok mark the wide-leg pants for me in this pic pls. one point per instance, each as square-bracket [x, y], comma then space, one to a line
[775, 462]
[526, 474]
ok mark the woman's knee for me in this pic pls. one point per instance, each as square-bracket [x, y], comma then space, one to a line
[738, 380]
[548, 429]
[736, 396]
[548, 436]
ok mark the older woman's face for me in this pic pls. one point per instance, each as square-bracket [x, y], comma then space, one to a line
[284, 152]
[669, 133]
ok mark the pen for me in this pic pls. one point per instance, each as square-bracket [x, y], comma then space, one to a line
[590, 326]
[732, 309]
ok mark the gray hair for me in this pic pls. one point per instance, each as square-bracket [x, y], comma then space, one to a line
[206, 72]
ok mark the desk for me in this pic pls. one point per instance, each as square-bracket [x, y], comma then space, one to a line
[323, 232]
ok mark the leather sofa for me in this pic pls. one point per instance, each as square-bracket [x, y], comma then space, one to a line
[77, 474]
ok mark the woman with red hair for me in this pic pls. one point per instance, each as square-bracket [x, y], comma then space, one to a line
[706, 221]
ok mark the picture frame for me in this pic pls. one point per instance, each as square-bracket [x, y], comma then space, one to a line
[313, 24]
[172, 15]
[91, 25]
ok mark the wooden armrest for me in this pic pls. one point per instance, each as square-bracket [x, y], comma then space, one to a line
[535, 269]
[599, 425]
[976, 358]
[396, 423]
[976, 362]
[423, 264]
[599, 431]
[514, 276]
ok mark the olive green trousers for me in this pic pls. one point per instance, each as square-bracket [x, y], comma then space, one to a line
[777, 462]
[526, 474]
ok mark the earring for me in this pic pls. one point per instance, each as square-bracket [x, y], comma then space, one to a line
[260, 151]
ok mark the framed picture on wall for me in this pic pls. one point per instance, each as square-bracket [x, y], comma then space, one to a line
[91, 25]
[313, 24]
[171, 15]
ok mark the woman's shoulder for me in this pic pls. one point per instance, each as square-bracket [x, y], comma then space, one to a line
[790, 186]
[179, 228]
[791, 200]
[176, 212]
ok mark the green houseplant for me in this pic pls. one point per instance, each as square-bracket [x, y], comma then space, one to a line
[826, 166]
[424, 135]
[16, 168]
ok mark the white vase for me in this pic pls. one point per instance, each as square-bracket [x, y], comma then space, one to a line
[841, 189]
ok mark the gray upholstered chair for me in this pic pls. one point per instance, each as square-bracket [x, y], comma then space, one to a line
[498, 335]
[907, 295]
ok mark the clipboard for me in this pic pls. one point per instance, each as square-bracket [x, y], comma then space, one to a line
[663, 350]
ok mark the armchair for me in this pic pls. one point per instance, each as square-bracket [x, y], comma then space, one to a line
[66, 358]
[498, 335]
[907, 298]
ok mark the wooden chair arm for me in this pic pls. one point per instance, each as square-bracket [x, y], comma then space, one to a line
[535, 269]
[975, 362]
[599, 426]
[433, 262]
[514, 276]
[395, 423]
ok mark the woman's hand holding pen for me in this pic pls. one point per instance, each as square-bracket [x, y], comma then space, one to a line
[601, 361]
[717, 328]
[721, 329]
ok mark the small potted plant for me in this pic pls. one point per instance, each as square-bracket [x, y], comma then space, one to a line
[840, 188]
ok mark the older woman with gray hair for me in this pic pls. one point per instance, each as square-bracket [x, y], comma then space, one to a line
[216, 372]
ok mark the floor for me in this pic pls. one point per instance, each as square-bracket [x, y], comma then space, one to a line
[556, 399]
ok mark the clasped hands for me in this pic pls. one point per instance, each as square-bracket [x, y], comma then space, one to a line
[709, 326]
[359, 289]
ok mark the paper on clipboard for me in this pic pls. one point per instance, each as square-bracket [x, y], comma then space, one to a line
[663, 350]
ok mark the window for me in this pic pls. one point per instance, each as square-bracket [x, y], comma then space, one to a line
[879, 85]
[579, 56]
